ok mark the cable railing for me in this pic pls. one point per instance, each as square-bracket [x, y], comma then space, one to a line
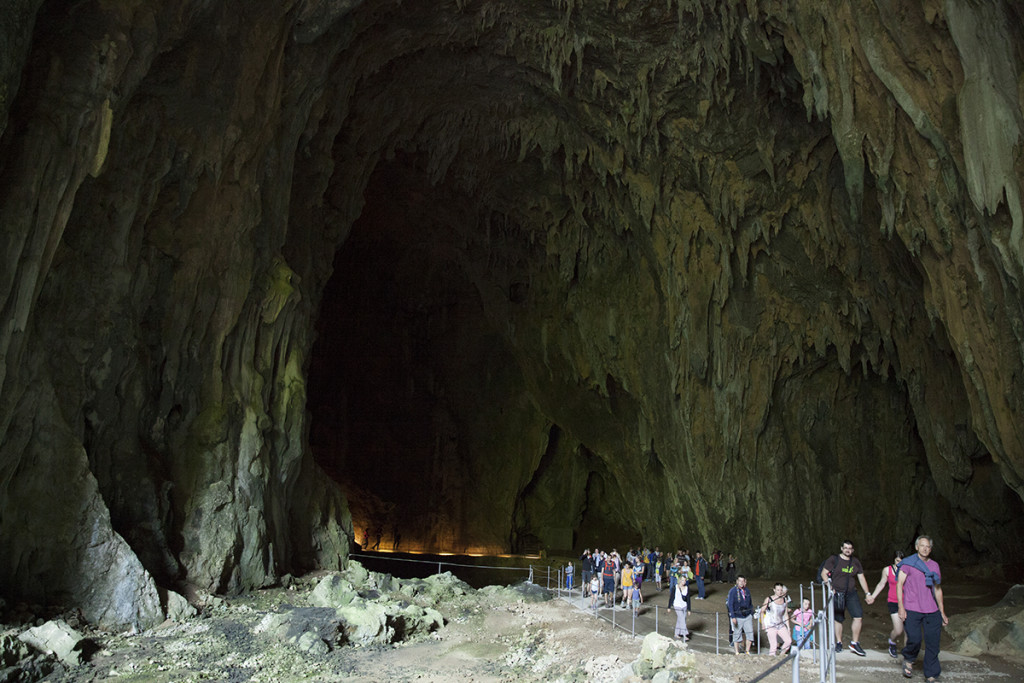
[817, 639]
[818, 635]
[440, 564]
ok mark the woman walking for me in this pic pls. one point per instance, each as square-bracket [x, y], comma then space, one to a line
[776, 607]
[889, 576]
[679, 604]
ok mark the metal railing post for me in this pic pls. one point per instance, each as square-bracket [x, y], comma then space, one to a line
[820, 645]
[832, 633]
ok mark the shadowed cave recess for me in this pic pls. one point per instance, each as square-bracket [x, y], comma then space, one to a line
[503, 277]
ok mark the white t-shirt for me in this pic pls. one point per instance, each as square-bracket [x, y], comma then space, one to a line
[680, 597]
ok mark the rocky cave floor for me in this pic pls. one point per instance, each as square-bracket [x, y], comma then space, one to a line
[364, 626]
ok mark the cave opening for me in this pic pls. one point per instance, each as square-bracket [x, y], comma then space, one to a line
[403, 354]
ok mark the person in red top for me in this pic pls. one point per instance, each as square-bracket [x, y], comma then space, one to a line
[608, 581]
[700, 571]
[889, 577]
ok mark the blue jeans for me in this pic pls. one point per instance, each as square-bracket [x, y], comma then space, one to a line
[928, 624]
[700, 587]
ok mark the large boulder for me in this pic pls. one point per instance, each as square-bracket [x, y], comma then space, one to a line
[996, 630]
[56, 638]
[365, 622]
[333, 590]
[657, 649]
[311, 629]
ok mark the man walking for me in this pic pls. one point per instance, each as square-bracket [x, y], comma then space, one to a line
[741, 613]
[608, 581]
[919, 594]
[587, 564]
[845, 570]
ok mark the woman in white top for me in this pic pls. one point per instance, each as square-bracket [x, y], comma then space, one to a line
[776, 609]
[679, 605]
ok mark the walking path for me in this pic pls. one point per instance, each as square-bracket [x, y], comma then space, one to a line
[876, 667]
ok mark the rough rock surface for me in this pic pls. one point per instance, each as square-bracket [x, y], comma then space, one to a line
[996, 630]
[55, 638]
[681, 270]
[494, 634]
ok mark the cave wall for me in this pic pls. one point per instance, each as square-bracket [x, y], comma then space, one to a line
[711, 267]
[152, 316]
[737, 251]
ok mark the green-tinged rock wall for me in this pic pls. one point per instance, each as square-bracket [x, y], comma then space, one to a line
[513, 276]
[721, 242]
[151, 313]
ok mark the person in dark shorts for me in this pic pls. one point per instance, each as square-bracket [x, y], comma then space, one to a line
[889, 576]
[608, 581]
[845, 571]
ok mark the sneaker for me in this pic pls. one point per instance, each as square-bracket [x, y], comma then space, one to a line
[857, 649]
[892, 650]
[839, 647]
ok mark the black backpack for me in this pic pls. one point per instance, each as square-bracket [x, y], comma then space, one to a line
[817, 576]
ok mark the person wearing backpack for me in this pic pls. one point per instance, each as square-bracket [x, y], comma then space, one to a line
[608, 581]
[741, 613]
[889, 576]
[845, 571]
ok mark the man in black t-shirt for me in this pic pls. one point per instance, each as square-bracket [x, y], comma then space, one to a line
[844, 571]
[587, 562]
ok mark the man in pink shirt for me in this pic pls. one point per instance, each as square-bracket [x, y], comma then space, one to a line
[919, 594]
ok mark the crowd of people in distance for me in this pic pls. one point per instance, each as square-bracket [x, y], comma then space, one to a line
[654, 565]
[914, 596]
[608, 575]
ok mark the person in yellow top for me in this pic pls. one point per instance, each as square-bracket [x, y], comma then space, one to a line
[627, 585]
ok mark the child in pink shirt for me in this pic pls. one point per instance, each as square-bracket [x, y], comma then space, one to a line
[802, 619]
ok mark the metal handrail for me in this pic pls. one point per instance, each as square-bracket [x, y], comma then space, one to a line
[820, 629]
[823, 651]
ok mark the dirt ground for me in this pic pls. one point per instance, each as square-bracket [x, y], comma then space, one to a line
[499, 634]
[559, 640]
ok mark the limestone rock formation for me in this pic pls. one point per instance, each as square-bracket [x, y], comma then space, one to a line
[994, 630]
[514, 274]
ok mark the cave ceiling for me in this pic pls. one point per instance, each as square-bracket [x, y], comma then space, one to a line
[503, 276]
